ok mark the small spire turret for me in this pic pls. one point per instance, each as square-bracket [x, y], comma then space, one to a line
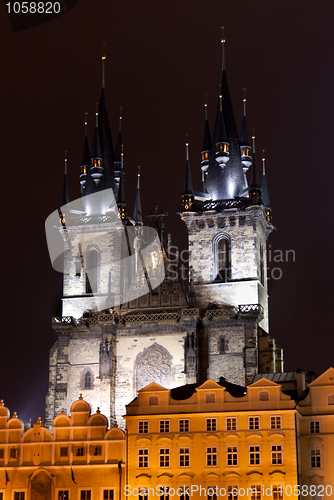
[188, 193]
[64, 196]
[265, 194]
[254, 188]
[220, 137]
[121, 203]
[245, 148]
[118, 152]
[85, 159]
[96, 161]
[207, 143]
[137, 213]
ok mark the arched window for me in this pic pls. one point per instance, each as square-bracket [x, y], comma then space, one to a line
[222, 265]
[221, 345]
[88, 380]
[91, 270]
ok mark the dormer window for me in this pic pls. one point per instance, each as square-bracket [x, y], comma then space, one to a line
[263, 396]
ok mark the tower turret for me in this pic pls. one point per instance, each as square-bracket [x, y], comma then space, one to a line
[188, 193]
[137, 212]
[245, 148]
[121, 203]
[96, 161]
[254, 188]
[205, 153]
[219, 137]
[265, 193]
[85, 159]
[118, 153]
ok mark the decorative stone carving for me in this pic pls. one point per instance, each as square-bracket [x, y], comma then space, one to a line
[154, 364]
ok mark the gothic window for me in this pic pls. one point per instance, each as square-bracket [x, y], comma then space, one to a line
[91, 270]
[221, 253]
[222, 345]
[88, 380]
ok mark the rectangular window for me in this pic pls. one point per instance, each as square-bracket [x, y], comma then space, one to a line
[164, 426]
[277, 492]
[108, 494]
[184, 455]
[276, 454]
[210, 398]
[63, 451]
[164, 493]
[254, 455]
[253, 423]
[164, 457]
[231, 424]
[2, 453]
[232, 455]
[97, 451]
[19, 495]
[212, 493]
[63, 495]
[315, 458]
[232, 492]
[14, 453]
[255, 492]
[153, 400]
[211, 457]
[85, 495]
[275, 422]
[184, 425]
[184, 493]
[80, 453]
[211, 424]
[314, 426]
[1, 495]
[143, 426]
[263, 396]
[143, 458]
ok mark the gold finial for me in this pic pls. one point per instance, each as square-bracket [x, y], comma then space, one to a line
[138, 175]
[80, 396]
[115, 424]
[63, 411]
[244, 100]
[86, 123]
[96, 114]
[66, 161]
[263, 157]
[103, 52]
[187, 147]
[206, 106]
[15, 414]
[2, 403]
[223, 34]
[220, 91]
[98, 410]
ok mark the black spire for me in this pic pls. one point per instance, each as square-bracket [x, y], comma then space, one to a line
[207, 144]
[265, 193]
[245, 147]
[105, 136]
[85, 159]
[118, 154]
[254, 188]
[64, 196]
[137, 213]
[121, 203]
[188, 193]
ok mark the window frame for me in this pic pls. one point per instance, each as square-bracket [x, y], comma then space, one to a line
[264, 396]
[184, 454]
[15, 454]
[184, 420]
[316, 455]
[258, 423]
[234, 451]
[146, 458]
[211, 420]
[62, 450]
[258, 494]
[232, 419]
[145, 423]
[80, 490]
[216, 261]
[278, 453]
[62, 490]
[232, 492]
[111, 488]
[278, 488]
[310, 425]
[164, 456]
[255, 452]
[211, 454]
[21, 491]
[276, 417]
[163, 425]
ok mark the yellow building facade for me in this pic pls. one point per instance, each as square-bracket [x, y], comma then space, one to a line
[79, 460]
[211, 444]
[316, 436]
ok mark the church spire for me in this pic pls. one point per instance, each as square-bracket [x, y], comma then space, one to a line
[223, 40]
[96, 161]
[106, 145]
[188, 193]
[137, 213]
[220, 138]
[85, 159]
[254, 188]
[205, 153]
[64, 196]
[265, 194]
[245, 148]
[121, 203]
[118, 152]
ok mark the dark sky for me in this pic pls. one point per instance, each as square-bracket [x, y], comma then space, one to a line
[162, 56]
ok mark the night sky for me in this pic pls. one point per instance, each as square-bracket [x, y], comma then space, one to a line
[162, 57]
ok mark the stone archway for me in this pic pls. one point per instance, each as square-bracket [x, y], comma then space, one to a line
[154, 364]
[41, 486]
